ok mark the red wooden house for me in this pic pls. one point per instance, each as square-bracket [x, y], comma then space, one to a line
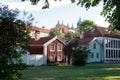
[45, 50]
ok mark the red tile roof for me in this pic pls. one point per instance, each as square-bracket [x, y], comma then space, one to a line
[39, 29]
[83, 41]
[40, 41]
[96, 31]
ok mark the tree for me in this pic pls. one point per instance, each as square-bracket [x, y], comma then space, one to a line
[86, 25]
[14, 38]
[111, 9]
[77, 54]
[54, 32]
[69, 36]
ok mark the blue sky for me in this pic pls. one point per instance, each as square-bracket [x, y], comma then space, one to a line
[63, 11]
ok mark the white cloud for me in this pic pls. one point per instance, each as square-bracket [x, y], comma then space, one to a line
[28, 7]
[24, 6]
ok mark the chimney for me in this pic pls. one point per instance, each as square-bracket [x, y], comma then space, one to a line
[37, 35]
[43, 26]
[82, 35]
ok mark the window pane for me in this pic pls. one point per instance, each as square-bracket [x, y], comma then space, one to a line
[52, 47]
[59, 47]
[59, 57]
[52, 57]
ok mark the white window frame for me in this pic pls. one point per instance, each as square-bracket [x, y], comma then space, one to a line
[58, 48]
[59, 59]
[53, 58]
[50, 47]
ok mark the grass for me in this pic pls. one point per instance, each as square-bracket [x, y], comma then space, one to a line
[89, 72]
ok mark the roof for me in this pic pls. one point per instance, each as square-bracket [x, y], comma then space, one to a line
[77, 29]
[39, 29]
[83, 41]
[43, 41]
[96, 31]
[40, 41]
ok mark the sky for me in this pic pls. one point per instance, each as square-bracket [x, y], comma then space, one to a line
[63, 11]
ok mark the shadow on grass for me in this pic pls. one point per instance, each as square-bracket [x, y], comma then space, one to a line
[99, 72]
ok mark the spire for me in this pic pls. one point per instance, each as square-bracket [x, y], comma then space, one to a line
[58, 24]
[72, 27]
[79, 22]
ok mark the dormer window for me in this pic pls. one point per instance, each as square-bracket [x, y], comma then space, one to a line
[93, 30]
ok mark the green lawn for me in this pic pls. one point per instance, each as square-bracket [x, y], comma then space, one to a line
[89, 72]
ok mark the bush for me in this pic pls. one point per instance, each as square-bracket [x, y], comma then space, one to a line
[80, 59]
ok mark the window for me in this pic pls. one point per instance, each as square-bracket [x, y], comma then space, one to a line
[92, 55]
[52, 47]
[59, 47]
[59, 57]
[93, 30]
[52, 57]
[94, 46]
[97, 55]
[63, 30]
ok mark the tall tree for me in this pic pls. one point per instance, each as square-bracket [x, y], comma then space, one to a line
[54, 32]
[86, 25]
[69, 36]
[111, 9]
[14, 38]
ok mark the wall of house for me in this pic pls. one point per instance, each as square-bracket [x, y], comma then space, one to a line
[33, 59]
[55, 52]
[42, 34]
[95, 55]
